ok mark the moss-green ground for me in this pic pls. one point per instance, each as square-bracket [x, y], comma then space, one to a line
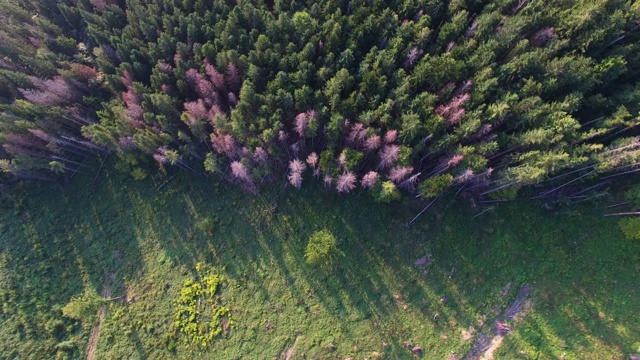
[57, 240]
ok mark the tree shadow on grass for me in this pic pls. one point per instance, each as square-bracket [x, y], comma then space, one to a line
[375, 291]
[63, 245]
[369, 284]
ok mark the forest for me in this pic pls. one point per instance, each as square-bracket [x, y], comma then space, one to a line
[445, 121]
[417, 96]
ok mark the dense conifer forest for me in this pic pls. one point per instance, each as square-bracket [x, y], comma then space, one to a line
[242, 179]
[414, 96]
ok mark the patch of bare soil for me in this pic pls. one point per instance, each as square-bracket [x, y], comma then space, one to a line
[95, 332]
[486, 343]
[468, 334]
[291, 352]
[493, 346]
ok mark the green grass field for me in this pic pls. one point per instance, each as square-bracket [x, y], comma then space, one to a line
[143, 244]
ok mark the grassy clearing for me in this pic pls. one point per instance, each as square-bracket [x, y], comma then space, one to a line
[143, 244]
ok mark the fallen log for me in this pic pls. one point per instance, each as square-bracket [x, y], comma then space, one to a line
[632, 213]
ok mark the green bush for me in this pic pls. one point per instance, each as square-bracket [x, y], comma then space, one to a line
[507, 193]
[210, 163]
[435, 186]
[198, 316]
[386, 192]
[139, 174]
[206, 225]
[322, 247]
[84, 307]
[633, 195]
[630, 228]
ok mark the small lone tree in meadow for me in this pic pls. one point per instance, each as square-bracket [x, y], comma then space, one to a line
[322, 247]
[84, 307]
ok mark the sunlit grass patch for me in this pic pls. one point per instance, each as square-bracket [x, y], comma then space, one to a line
[435, 285]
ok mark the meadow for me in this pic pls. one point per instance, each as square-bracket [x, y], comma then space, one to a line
[439, 284]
